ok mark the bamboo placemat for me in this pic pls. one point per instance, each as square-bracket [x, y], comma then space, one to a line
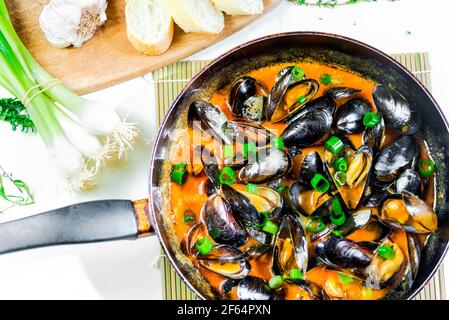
[170, 80]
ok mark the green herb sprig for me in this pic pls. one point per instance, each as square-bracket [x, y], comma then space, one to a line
[22, 197]
[14, 112]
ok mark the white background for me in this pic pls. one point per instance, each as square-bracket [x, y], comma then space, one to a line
[127, 270]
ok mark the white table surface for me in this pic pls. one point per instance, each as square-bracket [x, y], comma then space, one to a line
[126, 269]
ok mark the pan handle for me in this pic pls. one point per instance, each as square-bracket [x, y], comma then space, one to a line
[80, 223]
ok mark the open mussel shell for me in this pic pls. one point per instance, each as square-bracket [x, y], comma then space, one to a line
[350, 116]
[409, 213]
[266, 200]
[210, 165]
[290, 249]
[300, 289]
[245, 131]
[358, 175]
[309, 202]
[341, 252]
[396, 110]
[374, 136]
[209, 119]
[252, 288]
[269, 165]
[325, 102]
[241, 206]
[227, 261]
[395, 158]
[221, 223]
[248, 98]
[308, 129]
[196, 232]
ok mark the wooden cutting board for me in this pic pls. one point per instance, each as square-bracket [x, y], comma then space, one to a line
[108, 58]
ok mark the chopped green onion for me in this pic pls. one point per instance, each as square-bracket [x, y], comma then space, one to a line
[227, 176]
[270, 227]
[302, 100]
[385, 251]
[426, 168]
[315, 225]
[178, 176]
[278, 143]
[298, 73]
[326, 79]
[228, 151]
[337, 208]
[334, 145]
[282, 189]
[249, 148]
[189, 216]
[251, 188]
[371, 119]
[266, 218]
[338, 220]
[337, 233]
[204, 245]
[340, 177]
[345, 279]
[179, 166]
[296, 274]
[275, 282]
[340, 164]
[320, 183]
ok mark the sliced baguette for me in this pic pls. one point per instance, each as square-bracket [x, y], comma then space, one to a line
[149, 26]
[199, 16]
[240, 7]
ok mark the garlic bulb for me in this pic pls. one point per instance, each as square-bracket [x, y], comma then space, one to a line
[72, 22]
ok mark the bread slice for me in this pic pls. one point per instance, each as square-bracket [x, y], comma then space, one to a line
[198, 16]
[240, 7]
[149, 26]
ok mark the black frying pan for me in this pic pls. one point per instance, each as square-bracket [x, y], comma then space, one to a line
[123, 219]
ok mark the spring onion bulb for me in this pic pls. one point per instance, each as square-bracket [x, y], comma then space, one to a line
[81, 134]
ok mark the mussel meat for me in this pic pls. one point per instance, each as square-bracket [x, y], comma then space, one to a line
[290, 250]
[409, 213]
[266, 200]
[227, 261]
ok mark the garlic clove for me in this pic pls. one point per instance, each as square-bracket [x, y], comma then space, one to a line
[72, 22]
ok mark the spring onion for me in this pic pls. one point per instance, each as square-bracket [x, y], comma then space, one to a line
[228, 151]
[326, 79]
[334, 145]
[296, 274]
[178, 176]
[345, 279]
[371, 119]
[204, 245]
[251, 188]
[20, 196]
[275, 282]
[385, 251]
[282, 189]
[270, 227]
[340, 178]
[278, 143]
[297, 73]
[189, 216]
[426, 168]
[340, 164]
[315, 225]
[320, 183]
[337, 233]
[227, 176]
[302, 100]
[80, 134]
[249, 150]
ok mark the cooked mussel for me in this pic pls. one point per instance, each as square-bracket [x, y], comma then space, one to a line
[396, 110]
[357, 174]
[241, 206]
[310, 165]
[221, 222]
[248, 98]
[410, 181]
[252, 288]
[265, 200]
[226, 261]
[374, 136]
[342, 252]
[209, 119]
[409, 213]
[356, 221]
[308, 129]
[338, 93]
[283, 98]
[350, 116]
[270, 164]
[308, 201]
[245, 131]
[395, 158]
[299, 289]
[290, 250]
[196, 232]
